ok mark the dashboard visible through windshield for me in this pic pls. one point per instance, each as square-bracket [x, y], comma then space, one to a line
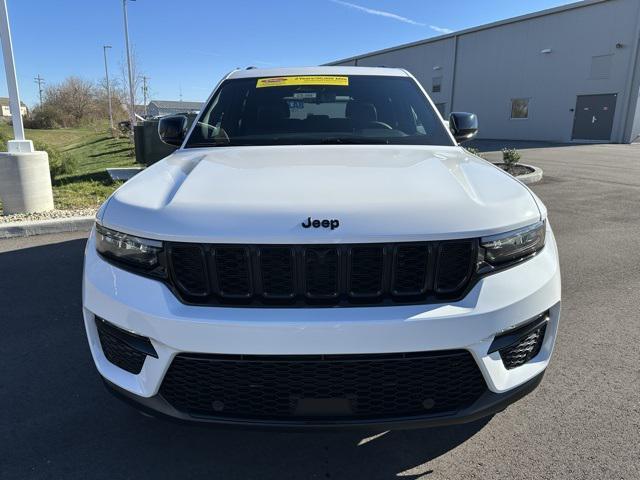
[319, 109]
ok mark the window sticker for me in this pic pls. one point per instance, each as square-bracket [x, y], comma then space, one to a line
[303, 80]
[302, 95]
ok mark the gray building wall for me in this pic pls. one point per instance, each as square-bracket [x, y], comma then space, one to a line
[494, 64]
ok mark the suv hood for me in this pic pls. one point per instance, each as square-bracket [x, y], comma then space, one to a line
[379, 193]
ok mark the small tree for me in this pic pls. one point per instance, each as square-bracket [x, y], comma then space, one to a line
[510, 156]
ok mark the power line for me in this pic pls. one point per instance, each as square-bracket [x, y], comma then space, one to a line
[40, 81]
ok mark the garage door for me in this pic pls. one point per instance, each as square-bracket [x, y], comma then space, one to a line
[594, 117]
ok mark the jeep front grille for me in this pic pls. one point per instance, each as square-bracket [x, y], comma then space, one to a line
[321, 275]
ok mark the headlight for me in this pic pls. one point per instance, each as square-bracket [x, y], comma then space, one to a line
[127, 249]
[510, 247]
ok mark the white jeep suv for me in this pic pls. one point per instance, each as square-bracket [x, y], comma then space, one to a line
[320, 252]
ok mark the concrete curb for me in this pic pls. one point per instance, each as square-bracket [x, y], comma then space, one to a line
[43, 227]
[531, 178]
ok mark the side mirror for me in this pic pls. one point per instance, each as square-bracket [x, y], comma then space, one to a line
[173, 129]
[463, 125]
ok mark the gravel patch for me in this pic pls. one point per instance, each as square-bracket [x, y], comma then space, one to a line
[53, 214]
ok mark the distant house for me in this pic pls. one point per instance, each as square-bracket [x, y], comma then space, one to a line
[140, 110]
[168, 107]
[6, 110]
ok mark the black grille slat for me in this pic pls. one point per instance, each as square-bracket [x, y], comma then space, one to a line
[321, 272]
[321, 275]
[454, 267]
[233, 271]
[410, 270]
[189, 269]
[277, 269]
[371, 386]
[366, 271]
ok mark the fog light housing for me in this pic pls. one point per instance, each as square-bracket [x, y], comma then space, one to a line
[519, 346]
[124, 349]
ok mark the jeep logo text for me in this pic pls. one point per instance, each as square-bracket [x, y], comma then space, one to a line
[326, 223]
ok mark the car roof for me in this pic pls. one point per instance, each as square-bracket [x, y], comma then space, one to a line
[324, 70]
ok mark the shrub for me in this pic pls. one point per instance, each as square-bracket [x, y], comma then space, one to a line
[43, 117]
[4, 138]
[59, 163]
[510, 156]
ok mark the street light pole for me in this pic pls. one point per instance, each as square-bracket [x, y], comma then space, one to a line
[132, 101]
[19, 144]
[106, 72]
[25, 181]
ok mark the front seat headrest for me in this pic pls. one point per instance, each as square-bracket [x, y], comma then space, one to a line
[361, 112]
[272, 112]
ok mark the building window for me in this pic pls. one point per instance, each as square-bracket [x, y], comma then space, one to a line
[442, 108]
[436, 84]
[519, 108]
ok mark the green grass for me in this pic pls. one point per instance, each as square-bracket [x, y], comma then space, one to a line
[92, 150]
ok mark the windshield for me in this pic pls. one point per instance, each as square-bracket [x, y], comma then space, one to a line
[320, 109]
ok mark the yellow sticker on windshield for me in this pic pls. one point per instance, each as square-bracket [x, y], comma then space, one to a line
[303, 80]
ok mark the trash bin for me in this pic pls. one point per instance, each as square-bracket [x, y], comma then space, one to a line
[149, 148]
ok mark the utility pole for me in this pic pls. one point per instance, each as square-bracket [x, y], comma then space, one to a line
[106, 72]
[132, 100]
[145, 92]
[40, 81]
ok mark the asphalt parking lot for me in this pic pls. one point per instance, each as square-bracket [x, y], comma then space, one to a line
[57, 420]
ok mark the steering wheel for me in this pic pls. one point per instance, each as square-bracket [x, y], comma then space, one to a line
[379, 125]
[218, 134]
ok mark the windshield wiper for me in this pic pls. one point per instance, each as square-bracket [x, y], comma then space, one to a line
[353, 141]
[221, 144]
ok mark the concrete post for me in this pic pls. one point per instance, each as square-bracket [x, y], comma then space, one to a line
[25, 183]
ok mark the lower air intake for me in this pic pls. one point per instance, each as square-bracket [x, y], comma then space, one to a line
[322, 386]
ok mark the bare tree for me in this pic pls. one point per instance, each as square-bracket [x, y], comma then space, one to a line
[73, 100]
[118, 99]
[136, 73]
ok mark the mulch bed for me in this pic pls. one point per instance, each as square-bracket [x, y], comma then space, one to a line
[515, 170]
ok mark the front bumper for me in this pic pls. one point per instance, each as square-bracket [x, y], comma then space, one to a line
[497, 303]
[488, 404]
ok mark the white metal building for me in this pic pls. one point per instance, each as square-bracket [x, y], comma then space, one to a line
[565, 74]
